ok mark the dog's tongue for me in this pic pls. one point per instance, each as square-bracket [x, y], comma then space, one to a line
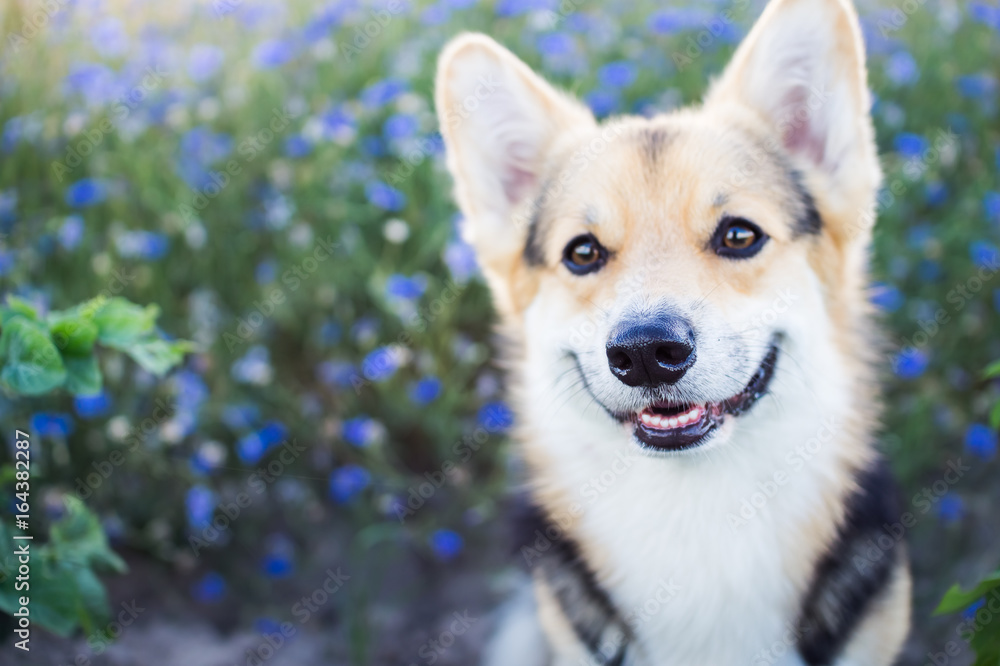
[652, 417]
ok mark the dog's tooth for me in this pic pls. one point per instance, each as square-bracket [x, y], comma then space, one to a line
[673, 421]
[683, 419]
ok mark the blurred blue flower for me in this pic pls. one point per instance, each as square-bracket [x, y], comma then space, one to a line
[337, 373]
[425, 390]
[981, 441]
[446, 544]
[950, 508]
[266, 271]
[556, 44]
[435, 14]
[338, 121]
[935, 193]
[382, 92]
[297, 146]
[977, 86]
[71, 232]
[991, 206]
[92, 406]
[51, 424]
[380, 364]
[254, 367]
[250, 448]
[620, 74]
[902, 69]
[200, 503]
[886, 297]
[909, 145]
[670, 21]
[405, 288]
[460, 259]
[86, 192]
[211, 588]
[459, 4]
[373, 146]
[519, 7]
[8, 205]
[266, 625]
[385, 196]
[277, 565]
[919, 235]
[109, 38]
[985, 13]
[495, 417]
[330, 332]
[400, 126]
[7, 262]
[273, 433]
[97, 84]
[347, 482]
[272, 53]
[910, 363]
[970, 612]
[984, 254]
[204, 146]
[361, 431]
[929, 270]
[204, 60]
[240, 417]
[146, 245]
[207, 458]
[602, 102]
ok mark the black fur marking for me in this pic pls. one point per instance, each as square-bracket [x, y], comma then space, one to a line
[546, 548]
[853, 572]
[534, 245]
[809, 221]
[653, 143]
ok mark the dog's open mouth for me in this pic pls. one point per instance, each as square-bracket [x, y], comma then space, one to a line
[669, 426]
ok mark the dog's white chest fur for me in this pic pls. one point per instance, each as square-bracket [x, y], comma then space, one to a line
[706, 555]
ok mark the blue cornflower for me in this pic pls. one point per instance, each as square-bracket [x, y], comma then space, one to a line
[908, 144]
[425, 390]
[272, 53]
[51, 424]
[92, 406]
[902, 69]
[619, 74]
[495, 416]
[347, 482]
[446, 544]
[910, 363]
[981, 441]
[385, 196]
[86, 192]
[211, 588]
[886, 297]
[204, 60]
[71, 232]
[200, 504]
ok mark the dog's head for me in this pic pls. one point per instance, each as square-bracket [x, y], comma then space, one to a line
[671, 268]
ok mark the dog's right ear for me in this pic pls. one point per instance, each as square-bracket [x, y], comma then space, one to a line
[500, 122]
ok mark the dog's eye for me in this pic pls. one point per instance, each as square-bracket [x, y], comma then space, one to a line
[738, 238]
[584, 255]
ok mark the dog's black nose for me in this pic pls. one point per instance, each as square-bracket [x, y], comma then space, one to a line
[651, 352]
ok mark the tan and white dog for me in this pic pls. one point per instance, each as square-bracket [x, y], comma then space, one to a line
[691, 355]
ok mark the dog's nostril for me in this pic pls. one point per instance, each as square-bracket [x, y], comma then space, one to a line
[672, 353]
[620, 361]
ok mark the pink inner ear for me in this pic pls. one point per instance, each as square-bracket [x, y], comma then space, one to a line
[802, 136]
[517, 184]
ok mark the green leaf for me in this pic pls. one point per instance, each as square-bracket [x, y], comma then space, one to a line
[92, 608]
[55, 599]
[955, 599]
[995, 417]
[121, 323]
[83, 375]
[992, 370]
[79, 533]
[158, 356]
[73, 335]
[33, 365]
[17, 307]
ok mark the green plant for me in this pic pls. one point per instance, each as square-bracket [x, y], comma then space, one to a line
[39, 355]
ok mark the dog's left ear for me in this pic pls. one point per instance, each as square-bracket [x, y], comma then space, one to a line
[802, 70]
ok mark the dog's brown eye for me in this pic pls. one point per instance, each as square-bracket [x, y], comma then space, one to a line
[738, 238]
[584, 254]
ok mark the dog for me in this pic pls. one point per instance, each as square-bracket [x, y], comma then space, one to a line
[691, 355]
